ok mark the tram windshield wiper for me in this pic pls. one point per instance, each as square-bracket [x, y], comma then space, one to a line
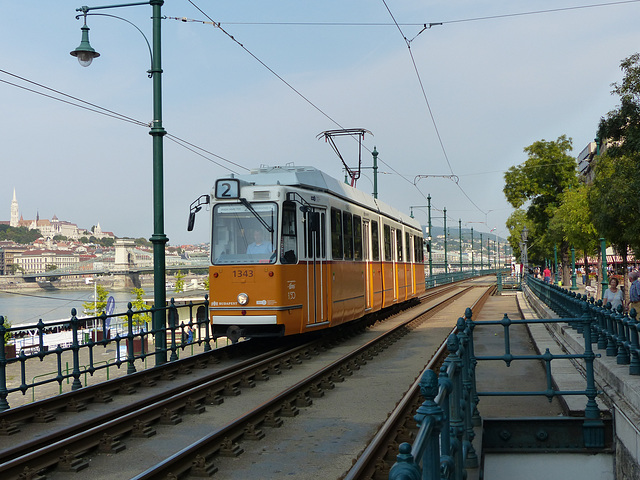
[256, 214]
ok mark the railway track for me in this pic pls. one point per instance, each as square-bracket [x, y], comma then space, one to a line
[75, 446]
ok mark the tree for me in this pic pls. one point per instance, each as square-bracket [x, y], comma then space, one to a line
[179, 282]
[539, 183]
[139, 319]
[620, 129]
[95, 308]
[572, 223]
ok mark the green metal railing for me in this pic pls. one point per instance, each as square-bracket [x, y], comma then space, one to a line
[443, 445]
[135, 344]
[451, 277]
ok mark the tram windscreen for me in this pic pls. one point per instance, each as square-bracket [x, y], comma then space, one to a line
[240, 236]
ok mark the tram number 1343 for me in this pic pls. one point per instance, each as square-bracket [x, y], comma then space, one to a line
[242, 273]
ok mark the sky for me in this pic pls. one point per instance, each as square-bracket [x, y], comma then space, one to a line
[465, 99]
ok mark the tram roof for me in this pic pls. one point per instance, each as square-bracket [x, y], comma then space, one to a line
[312, 178]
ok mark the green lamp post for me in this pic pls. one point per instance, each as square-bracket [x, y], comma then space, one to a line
[460, 241]
[574, 286]
[85, 54]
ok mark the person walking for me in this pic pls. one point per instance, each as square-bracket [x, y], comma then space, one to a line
[547, 275]
[634, 291]
[613, 294]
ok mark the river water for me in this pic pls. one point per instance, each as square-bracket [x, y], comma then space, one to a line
[27, 307]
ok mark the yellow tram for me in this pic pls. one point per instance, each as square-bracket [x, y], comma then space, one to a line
[294, 250]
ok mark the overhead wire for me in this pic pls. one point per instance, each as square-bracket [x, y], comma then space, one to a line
[424, 94]
[92, 107]
[335, 122]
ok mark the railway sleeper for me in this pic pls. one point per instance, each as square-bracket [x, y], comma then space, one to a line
[142, 430]
[228, 448]
[71, 462]
[201, 468]
[169, 417]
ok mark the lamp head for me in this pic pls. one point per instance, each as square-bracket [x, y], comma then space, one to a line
[85, 53]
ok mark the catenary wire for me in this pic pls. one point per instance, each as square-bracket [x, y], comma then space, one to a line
[217, 25]
[424, 93]
[110, 113]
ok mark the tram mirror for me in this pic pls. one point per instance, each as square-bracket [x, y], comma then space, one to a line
[192, 221]
[314, 222]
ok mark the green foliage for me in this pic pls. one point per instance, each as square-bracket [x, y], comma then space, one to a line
[571, 221]
[139, 319]
[60, 238]
[96, 308]
[20, 235]
[536, 186]
[7, 335]
[614, 200]
[620, 129]
[142, 242]
[206, 282]
[179, 282]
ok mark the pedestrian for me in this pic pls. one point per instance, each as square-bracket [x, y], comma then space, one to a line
[189, 334]
[613, 294]
[547, 275]
[634, 291]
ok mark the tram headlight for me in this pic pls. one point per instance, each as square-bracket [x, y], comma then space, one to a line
[243, 298]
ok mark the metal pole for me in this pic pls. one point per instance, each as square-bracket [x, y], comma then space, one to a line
[573, 269]
[473, 267]
[159, 239]
[481, 259]
[555, 261]
[446, 269]
[603, 251]
[460, 241]
[430, 237]
[375, 173]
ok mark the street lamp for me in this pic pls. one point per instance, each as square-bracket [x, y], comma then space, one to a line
[85, 54]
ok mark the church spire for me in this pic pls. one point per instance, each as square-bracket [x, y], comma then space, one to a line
[15, 215]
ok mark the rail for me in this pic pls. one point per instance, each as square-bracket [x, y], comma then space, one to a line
[134, 344]
[451, 277]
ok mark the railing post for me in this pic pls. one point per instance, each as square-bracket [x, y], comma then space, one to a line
[131, 368]
[456, 420]
[405, 467]
[471, 458]
[593, 428]
[623, 355]
[77, 384]
[430, 411]
[173, 324]
[205, 320]
[4, 393]
[612, 349]
[634, 367]
[473, 362]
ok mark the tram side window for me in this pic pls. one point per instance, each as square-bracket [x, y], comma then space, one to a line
[419, 250]
[289, 244]
[336, 234]
[407, 245]
[375, 241]
[314, 230]
[347, 231]
[399, 244]
[357, 237]
[387, 243]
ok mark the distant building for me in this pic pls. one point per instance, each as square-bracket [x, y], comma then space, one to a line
[8, 251]
[586, 163]
[36, 261]
[54, 227]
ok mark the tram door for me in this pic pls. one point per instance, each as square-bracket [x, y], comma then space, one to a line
[316, 273]
[394, 257]
[366, 255]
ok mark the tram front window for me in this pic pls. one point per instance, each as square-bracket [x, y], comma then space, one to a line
[240, 236]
